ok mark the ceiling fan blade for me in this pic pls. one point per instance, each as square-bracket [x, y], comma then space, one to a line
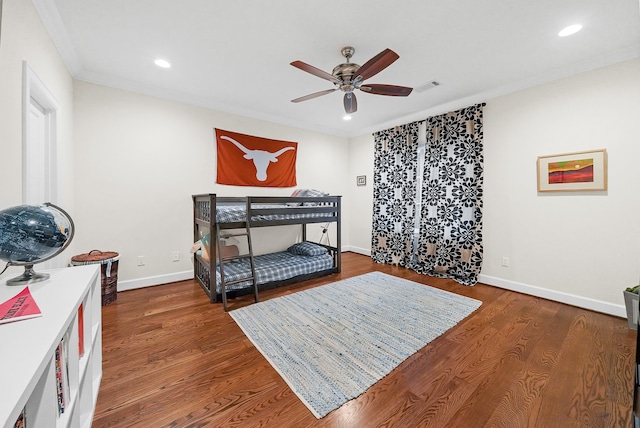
[314, 95]
[391, 90]
[350, 103]
[315, 71]
[376, 64]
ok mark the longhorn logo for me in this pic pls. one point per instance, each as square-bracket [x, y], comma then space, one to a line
[261, 158]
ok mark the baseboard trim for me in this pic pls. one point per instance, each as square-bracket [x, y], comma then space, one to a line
[363, 251]
[150, 281]
[557, 296]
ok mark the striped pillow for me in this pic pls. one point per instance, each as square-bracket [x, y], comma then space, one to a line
[306, 248]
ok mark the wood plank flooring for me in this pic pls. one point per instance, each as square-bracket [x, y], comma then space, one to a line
[172, 359]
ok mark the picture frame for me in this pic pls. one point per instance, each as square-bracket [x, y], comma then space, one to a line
[361, 180]
[570, 172]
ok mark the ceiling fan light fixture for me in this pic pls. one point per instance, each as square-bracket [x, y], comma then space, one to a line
[346, 117]
[571, 29]
[162, 63]
[348, 77]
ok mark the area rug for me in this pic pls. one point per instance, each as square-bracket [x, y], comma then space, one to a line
[331, 343]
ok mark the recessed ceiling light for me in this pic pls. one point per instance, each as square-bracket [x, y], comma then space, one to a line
[346, 117]
[571, 29]
[162, 63]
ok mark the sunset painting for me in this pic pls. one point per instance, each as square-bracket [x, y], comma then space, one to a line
[573, 171]
[576, 171]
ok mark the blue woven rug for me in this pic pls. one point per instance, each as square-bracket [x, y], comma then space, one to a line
[331, 343]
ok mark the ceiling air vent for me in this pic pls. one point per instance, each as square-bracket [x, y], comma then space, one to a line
[428, 85]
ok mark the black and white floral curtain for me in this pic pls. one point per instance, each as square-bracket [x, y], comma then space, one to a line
[394, 195]
[450, 241]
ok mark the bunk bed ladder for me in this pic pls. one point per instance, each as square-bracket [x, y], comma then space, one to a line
[226, 259]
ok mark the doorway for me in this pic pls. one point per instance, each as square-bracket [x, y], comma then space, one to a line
[40, 118]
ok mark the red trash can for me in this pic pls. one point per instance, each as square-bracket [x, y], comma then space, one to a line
[109, 270]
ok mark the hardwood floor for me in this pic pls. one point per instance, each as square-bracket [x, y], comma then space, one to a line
[172, 359]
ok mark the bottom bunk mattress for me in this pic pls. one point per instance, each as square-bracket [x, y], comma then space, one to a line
[272, 267]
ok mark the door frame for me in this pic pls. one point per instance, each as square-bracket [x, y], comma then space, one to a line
[34, 88]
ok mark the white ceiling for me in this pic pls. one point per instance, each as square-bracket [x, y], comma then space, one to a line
[234, 56]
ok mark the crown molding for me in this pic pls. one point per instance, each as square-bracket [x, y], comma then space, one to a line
[52, 21]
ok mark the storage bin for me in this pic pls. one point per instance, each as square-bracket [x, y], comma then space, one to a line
[109, 271]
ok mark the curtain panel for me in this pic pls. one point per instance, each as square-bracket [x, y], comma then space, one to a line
[450, 239]
[394, 195]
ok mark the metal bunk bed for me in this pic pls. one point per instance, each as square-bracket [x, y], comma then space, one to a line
[223, 217]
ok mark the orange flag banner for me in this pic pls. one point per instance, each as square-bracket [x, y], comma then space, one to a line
[245, 160]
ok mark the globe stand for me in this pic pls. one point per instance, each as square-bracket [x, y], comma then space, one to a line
[29, 276]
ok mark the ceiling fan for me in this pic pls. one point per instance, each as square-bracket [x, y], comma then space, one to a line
[349, 76]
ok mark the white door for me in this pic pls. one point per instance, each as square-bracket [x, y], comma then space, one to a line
[36, 186]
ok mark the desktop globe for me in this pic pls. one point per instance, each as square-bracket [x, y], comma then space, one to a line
[31, 234]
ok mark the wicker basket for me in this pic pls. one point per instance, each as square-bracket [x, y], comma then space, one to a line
[109, 269]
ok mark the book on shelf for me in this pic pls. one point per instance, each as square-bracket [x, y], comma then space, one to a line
[21, 422]
[22, 306]
[59, 388]
[80, 330]
[62, 373]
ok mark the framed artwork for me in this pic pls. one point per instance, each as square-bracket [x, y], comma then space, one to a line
[361, 180]
[573, 171]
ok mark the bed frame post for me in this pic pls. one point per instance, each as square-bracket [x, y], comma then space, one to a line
[213, 248]
[339, 235]
[195, 234]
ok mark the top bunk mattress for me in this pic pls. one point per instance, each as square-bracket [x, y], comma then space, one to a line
[238, 213]
[266, 210]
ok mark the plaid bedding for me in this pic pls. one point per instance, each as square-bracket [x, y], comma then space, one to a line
[272, 267]
[238, 213]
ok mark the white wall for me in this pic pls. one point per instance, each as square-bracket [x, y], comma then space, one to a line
[361, 197]
[24, 38]
[581, 248]
[139, 160]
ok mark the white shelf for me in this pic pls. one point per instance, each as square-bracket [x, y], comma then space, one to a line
[27, 363]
